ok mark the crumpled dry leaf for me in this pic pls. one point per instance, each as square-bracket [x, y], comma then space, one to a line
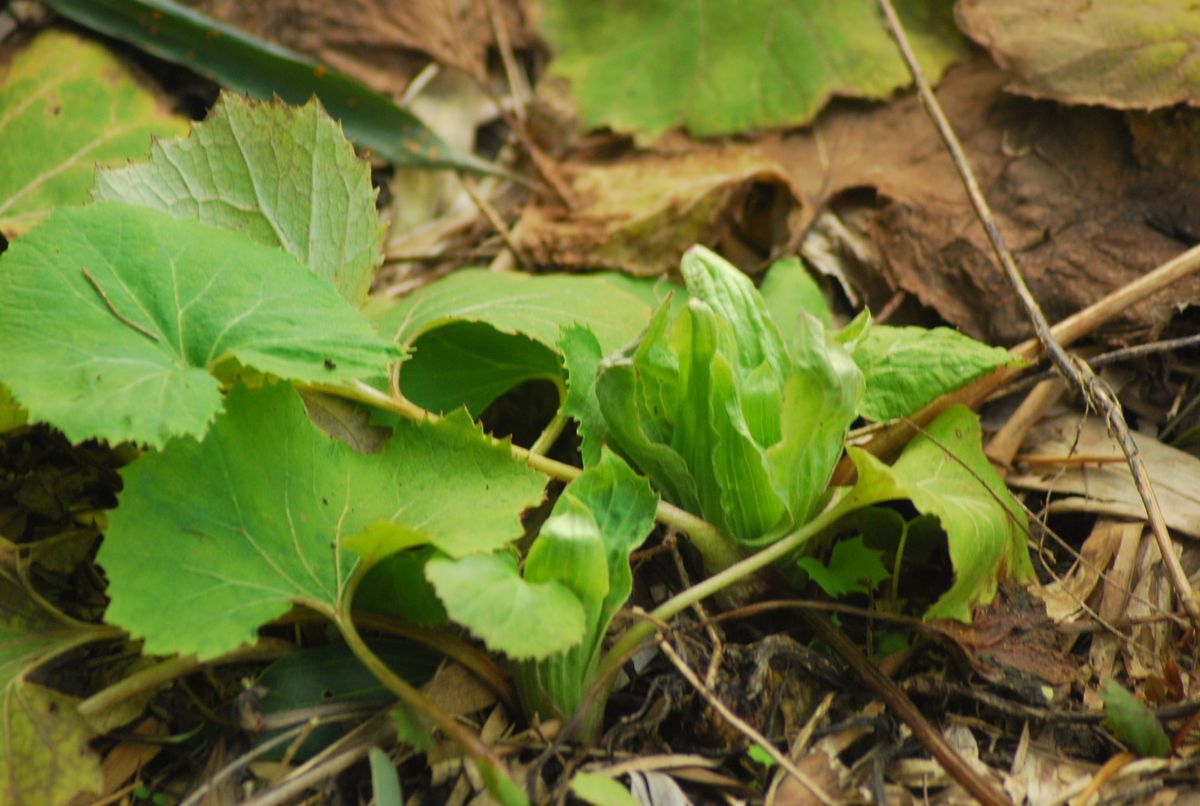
[381, 43]
[1108, 488]
[1082, 213]
[1126, 55]
[639, 214]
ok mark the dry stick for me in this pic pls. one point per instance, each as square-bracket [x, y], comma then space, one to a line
[512, 72]
[493, 217]
[1075, 370]
[745, 728]
[899, 703]
[888, 442]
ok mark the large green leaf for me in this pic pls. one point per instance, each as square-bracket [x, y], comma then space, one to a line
[65, 105]
[113, 317]
[476, 334]
[211, 540]
[907, 367]
[44, 753]
[261, 69]
[721, 68]
[522, 619]
[284, 175]
[537, 306]
[945, 474]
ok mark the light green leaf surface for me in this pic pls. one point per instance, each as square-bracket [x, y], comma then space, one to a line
[599, 520]
[66, 104]
[477, 334]
[1133, 723]
[600, 790]
[787, 289]
[487, 595]
[721, 68]
[727, 419]
[850, 564]
[211, 540]
[581, 355]
[113, 318]
[284, 175]
[385, 782]
[944, 473]
[537, 306]
[1128, 55]
[907, 367]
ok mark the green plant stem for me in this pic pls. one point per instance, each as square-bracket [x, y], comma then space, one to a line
[707, 538]
[735, 573]
[549, 435]
[409, 696]
[155, 677]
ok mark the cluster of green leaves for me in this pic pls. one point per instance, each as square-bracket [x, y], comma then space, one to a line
[197, 305]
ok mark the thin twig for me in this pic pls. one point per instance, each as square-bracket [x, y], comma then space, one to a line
[1073, 369]
[113, 308]
[743, 727]
[493, 217]
[1106, 359]
[899, 703]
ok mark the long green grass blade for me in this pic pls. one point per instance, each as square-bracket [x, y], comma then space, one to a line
[261, 69]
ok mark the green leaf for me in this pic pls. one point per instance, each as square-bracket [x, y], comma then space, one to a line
[211, 540]
[284, 175]
[1133, 723]
[522, 619]
[944, 473]
[851, 563]
[537, 306]
[787, 289]
[607, 510]
[907, 367]
[760, 756]
[600, 790]
[397, 586]
[581, 356]
[476, 334]
[720, 69]
[471, 364]
[727, 419]
[570, 549]
[261, 69]
[44, 753]
[113, 318]
[67, 104]
[385, 782]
